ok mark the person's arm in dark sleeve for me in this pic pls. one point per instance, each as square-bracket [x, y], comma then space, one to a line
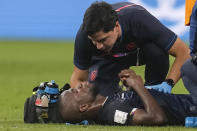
[151, 29]
[82, 58]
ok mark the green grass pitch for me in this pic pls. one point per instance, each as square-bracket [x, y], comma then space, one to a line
[24, 64]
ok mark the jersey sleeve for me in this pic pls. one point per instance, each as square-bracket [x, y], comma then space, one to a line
[117, 112]
[82, 50]
[147, 28]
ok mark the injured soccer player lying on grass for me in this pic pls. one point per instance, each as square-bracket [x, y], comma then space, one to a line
[137, 106]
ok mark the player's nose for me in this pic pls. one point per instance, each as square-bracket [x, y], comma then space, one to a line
[99, 46]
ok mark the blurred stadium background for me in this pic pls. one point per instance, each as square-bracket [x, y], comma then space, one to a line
[36, 45]
[60, 19]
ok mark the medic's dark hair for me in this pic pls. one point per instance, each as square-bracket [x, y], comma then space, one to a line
[100, 16]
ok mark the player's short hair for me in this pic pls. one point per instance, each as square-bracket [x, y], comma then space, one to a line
[43, 105]
[34, 114]
[100, 16]
[30, 110]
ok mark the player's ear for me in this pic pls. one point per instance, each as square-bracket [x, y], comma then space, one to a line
[83, 107]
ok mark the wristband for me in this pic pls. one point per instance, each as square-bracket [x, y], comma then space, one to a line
[170, 82]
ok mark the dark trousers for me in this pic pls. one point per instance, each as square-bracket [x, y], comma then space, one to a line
[189, 70]
[104, 70]
[189, 77]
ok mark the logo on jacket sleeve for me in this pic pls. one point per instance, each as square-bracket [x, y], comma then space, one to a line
[93, 75]
[131, 46]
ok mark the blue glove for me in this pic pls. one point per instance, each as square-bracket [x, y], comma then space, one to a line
[163, 87]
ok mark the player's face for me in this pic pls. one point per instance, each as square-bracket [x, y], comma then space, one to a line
[105, 41]
[81, 94]
[72, 99]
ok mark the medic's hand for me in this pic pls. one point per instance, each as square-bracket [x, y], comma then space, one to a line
[163, 87]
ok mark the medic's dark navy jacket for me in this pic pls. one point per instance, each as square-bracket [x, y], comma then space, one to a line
[144, 41]
[138, 28]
